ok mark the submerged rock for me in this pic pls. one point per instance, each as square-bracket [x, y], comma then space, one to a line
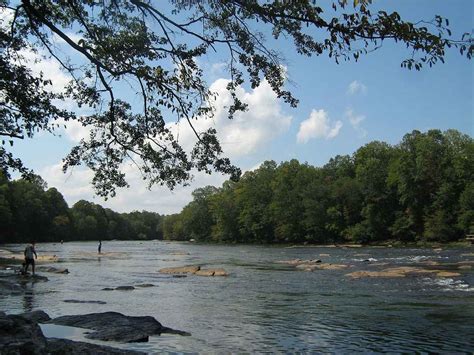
[10, 288]
[85, 301]
[314, 264]
[52, 270]
[125, 288]
[116, 326]
[322, 266]
[193, 269]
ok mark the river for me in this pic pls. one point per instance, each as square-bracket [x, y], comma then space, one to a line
[263, 306]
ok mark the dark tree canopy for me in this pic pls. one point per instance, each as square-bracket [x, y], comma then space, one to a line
[152, 48]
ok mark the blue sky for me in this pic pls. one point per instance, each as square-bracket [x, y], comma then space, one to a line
[342, 107]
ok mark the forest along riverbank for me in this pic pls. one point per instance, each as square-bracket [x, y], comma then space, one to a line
[232, 298]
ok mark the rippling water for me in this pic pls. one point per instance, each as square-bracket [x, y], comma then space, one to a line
[263, 306]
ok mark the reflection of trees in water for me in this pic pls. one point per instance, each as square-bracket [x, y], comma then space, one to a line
[28, 297]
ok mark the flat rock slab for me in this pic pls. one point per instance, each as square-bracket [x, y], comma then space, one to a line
[125, 288]
[313, 264]
[20, 334]
[119, 288]
[52, 270]
[145, 285]
[116, 326]
[403, 271]
[65, 346]
[37, 316]
[84, 301]
[322, 266]
[191, 269]
[211, 272]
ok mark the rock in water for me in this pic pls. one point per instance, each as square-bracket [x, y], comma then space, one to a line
[116, 326]
[191, 269]
[19, 335]
[65, 346]
[37, 316]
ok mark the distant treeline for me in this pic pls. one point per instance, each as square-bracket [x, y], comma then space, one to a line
[29, 211]
[421, 189]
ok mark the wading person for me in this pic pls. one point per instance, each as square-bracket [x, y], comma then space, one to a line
[99, 247]
[29, 260]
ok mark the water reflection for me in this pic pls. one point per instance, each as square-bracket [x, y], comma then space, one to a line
[29, 297]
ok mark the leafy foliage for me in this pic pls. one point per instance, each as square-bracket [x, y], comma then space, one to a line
[152, 51]
[29, 211]
[420, 189]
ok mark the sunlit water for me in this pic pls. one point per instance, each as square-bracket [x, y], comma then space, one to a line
[262, 306]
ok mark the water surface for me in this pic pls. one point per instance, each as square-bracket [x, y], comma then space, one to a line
[262, 306]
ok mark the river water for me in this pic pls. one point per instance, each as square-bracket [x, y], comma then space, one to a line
[262, 306]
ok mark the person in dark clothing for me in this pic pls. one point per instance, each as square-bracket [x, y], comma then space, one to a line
[99, 247]
[29, 260]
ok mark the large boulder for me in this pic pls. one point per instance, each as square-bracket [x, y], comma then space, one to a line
[65, 346]
[19, 335]
[37, 316]
[116, 326]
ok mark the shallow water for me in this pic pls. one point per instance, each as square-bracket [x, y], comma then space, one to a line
[262, 306]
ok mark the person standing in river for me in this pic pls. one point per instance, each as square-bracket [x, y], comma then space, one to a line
[29, 260]
[99, 247]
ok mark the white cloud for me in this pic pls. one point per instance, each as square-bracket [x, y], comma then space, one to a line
[317, 125]
[49, 67]
[355, 121]
[249, 130]
[217, 69]
[243, 135]
[74, 130]
[356, 87]
[6, 18]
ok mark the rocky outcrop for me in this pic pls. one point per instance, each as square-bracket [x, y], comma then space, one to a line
[14, 284]
[119, 288]
[37, 316]
[116, 326]
[20, 334]
[322, 266]
[313, 264]
[403, 271]
[52, 269]
[193, 269]
[65, 346]
[211, 272]
[84, 301]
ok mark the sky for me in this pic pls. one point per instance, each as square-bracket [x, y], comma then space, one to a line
[341, 108]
